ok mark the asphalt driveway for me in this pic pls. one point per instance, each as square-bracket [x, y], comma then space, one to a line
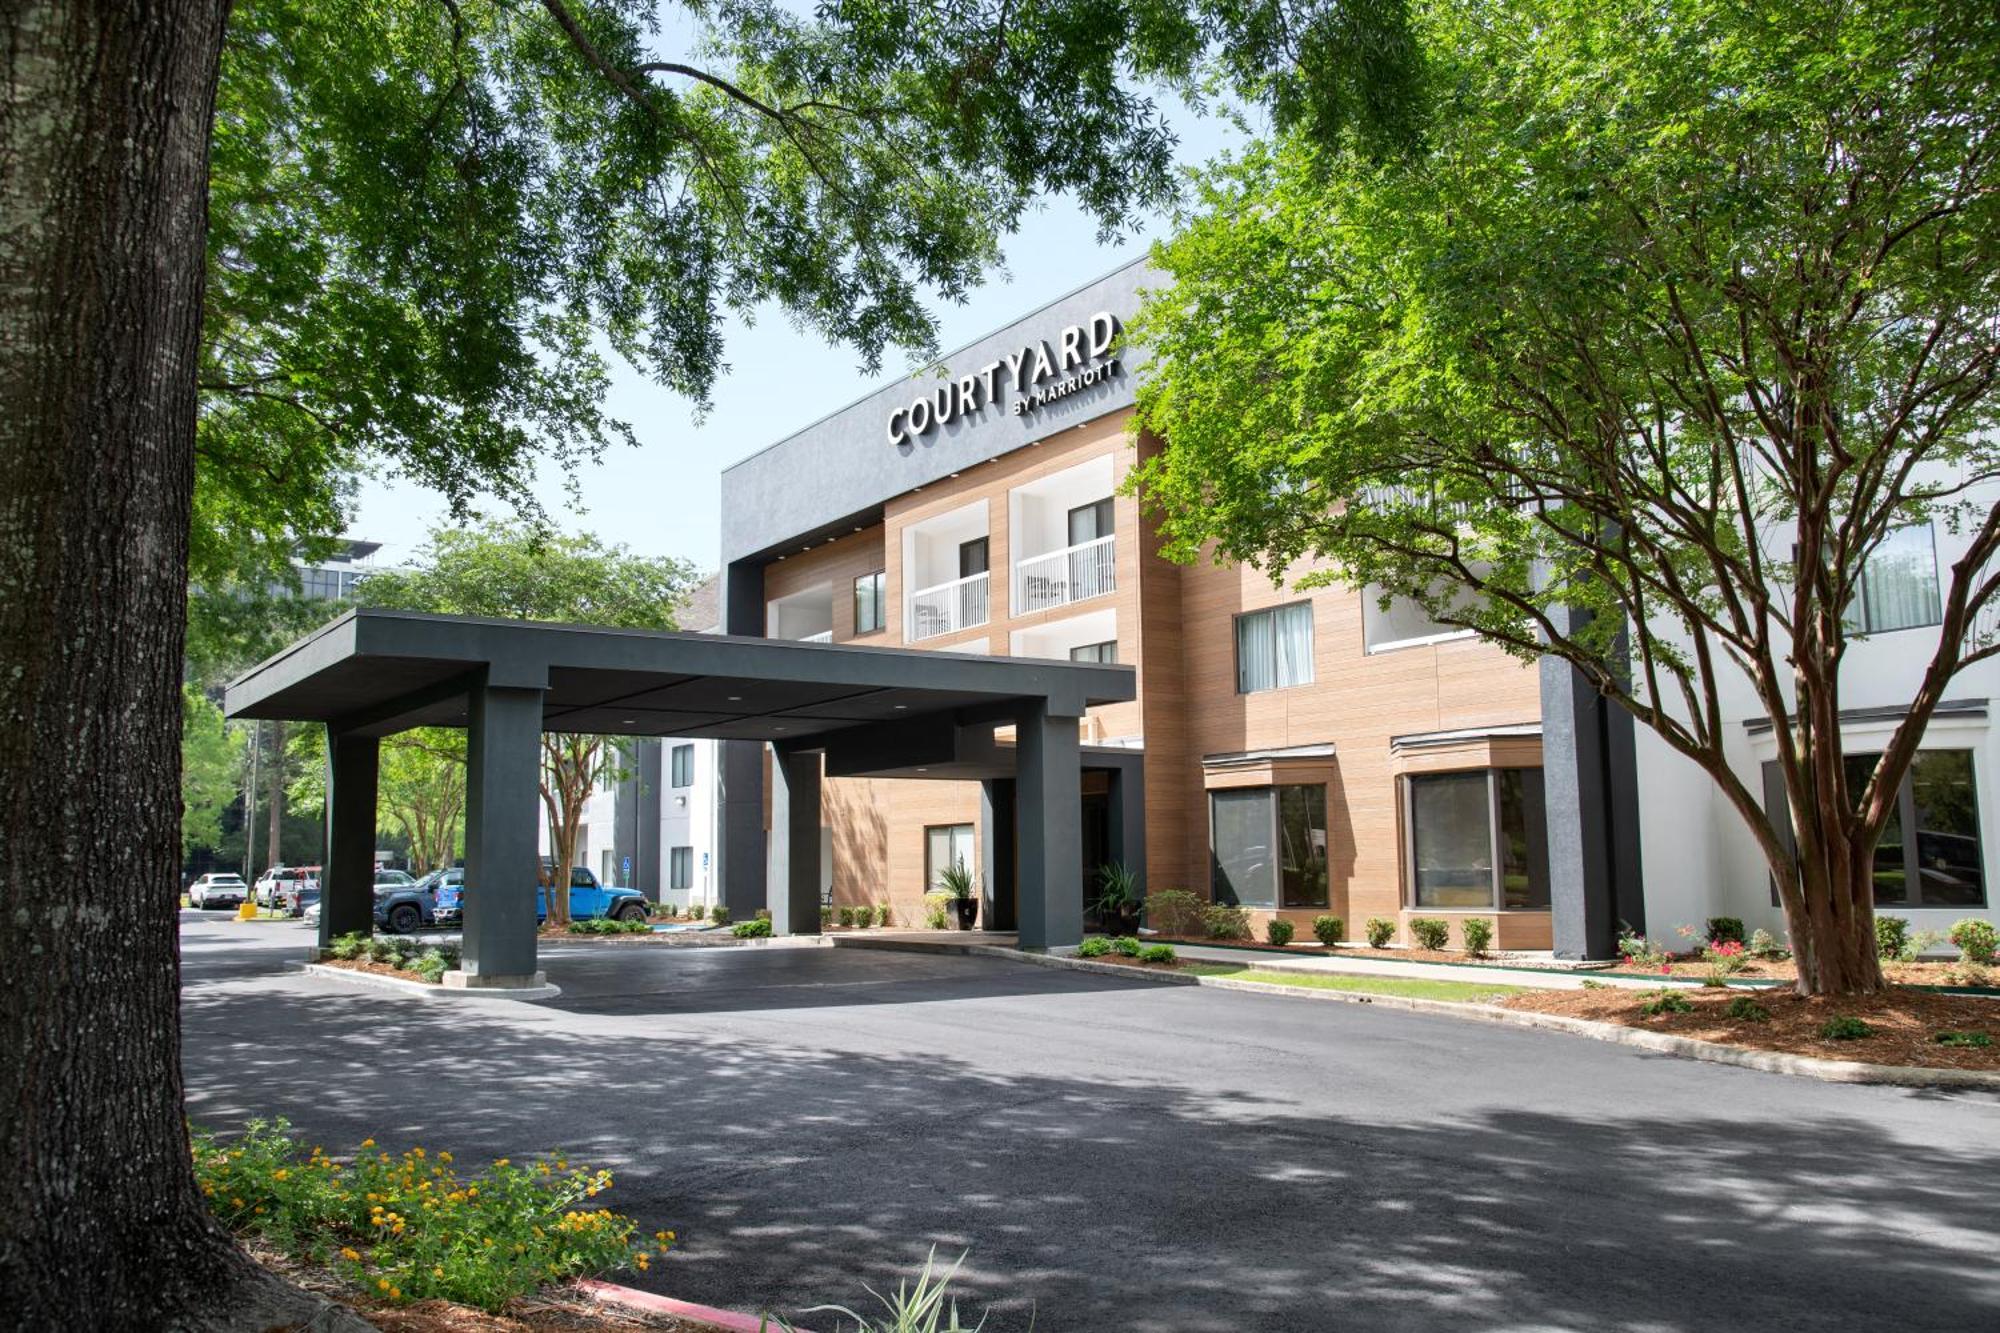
[1120, 1155]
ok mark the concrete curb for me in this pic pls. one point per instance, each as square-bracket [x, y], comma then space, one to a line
[631, 1298]
[1689, 1048]
[425, 991]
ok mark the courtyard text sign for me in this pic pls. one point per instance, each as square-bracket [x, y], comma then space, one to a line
[1028, 379]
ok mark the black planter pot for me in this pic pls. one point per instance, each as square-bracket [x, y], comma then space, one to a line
[968, 911]
[1123, 920]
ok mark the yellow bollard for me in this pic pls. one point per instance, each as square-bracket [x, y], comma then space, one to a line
[247, 912]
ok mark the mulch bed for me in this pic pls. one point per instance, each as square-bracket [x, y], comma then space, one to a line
[1906, 1022]
[1784, 969]
[557, 1310]
[379, 969]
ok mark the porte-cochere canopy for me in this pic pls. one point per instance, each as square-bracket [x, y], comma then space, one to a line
[886, 711]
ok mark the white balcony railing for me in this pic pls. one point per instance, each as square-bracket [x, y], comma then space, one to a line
[824, 636]
[1073, 574]
[948, 607]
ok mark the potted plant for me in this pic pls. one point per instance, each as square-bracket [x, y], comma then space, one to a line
[1118, 899]
[958, 884]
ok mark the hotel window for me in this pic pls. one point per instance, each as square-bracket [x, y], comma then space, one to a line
[945, 845]
[683, 766]
[1089, 522]
[870, 607]
[1267, 846]
[1274, 648]
[1898, 584]
[972, 557]
[1943, 865]
[680, 868]
[1477, 840]
[1095, 652]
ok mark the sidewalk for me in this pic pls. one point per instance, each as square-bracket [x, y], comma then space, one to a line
[1487, 973]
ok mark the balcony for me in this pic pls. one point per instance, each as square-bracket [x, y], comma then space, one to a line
[946, 608]
[1072, 574]
[824, 636]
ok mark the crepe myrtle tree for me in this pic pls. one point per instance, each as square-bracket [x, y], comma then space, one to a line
[1679, 313]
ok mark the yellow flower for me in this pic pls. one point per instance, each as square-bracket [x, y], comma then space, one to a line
[438, 1271]
[395, 1293]
[367, 1143]
[350, 1253]
[472, 1192]
[444, 1157]
[382, 1283]
[280, 1174]
[641, 1261]
[236, 1203]
[501, 1162]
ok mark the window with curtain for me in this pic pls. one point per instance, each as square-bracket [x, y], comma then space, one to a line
[680, 868]
[1274, 648]
[946, 845]
[1929, 854]
[1478, 840]
[1268, 846]
[1089, 522]
[870, 609]
[1899, 584]
[682, 766]
[1095, 652]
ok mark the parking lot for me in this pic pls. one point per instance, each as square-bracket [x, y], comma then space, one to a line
[812, 1119]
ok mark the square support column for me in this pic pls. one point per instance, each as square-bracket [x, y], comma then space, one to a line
[502, 849]
[996, 854]
[795, 869]
[1049, 803]
[742, 851]
[1127, 832]
[347, 881]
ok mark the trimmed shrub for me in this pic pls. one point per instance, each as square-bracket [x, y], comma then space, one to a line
[1977, 940]
[1746, 1010]
[1845, 1027]
[1962, 1039]
[1093, 946]
[1175, 912]
[1219, 921]
[350, 946]
[1329, 930]
[1892, 936]
[1430, 932]
[937, 910]
[847, 915]
[719, 915]
[1588, 984]
[1157, 953]
[1380, 931]
[1723, 930]
[1477, 932]
[1666, 1002]
[763, 914]
[882, 917]
[1279, 931]
[758, 929]
[434, 963]
[1126, 945]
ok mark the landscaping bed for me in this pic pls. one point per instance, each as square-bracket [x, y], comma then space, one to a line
[1902, 1025]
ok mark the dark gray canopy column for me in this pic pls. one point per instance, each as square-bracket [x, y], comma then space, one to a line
[1049, 799]
[347, 880]
[503, 755]
[795, 868]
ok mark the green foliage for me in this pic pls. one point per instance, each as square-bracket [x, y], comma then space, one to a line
[882, 915]
[1976, 938]
[937, 910]
[1175, 911]
[1279, 931]
[718, 915]
[510, 571]
[1641, 952]
[210, 764]
[1117, 889]
[924, 1308]
[1892, 936]
[434, 962]
[1588, 984]
[1093, 946]
[1430, 932]
[758, 929]
[412, 1227]
[1556, 360]
[1329, 930]
[1723, 930]
[846, 915]
[1746, 1010]
[1127, 946]
[1665, 1001]
[1220, 921]
[1157, 953]
[1844, 1027]
[956, 881]
[605, 925]
[1477, 933]
[348, 947]
[1381, 930]
[1967, 1039]
[1765, 946]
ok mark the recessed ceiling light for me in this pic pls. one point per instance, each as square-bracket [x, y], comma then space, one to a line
[736, 698]
[628, 722]
[954, 476]
[923, 770]
[901, 707]
[777, 728]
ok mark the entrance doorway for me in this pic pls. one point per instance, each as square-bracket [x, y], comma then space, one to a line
[1096, 851]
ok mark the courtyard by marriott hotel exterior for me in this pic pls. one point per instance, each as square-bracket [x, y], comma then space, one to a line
[1297, 753]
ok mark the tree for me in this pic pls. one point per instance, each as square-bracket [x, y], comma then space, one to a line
[1677, 315]
[511, 571]
[209, 770]
[419, 788]
[424, 215]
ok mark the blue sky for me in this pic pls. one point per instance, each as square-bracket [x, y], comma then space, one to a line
[662, 498]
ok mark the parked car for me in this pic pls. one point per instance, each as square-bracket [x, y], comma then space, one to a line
[282, 886]
[217, 889]
[447, 890]
[400, 908]
[394, 879]
[588, 899]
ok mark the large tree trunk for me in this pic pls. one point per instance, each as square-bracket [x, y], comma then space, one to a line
[274, 849]
[104, 125]
[1831, 911]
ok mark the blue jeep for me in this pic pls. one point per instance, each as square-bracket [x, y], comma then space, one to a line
[587, 898]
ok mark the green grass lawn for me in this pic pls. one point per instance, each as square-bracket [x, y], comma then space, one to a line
[1464, 992]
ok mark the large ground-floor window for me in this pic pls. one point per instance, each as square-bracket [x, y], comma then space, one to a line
[1942, 865]
[1268, 846]
[680, 867]
[1477, 839]
[945, 845]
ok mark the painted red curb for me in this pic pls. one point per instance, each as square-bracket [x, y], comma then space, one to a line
[632, 1298]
